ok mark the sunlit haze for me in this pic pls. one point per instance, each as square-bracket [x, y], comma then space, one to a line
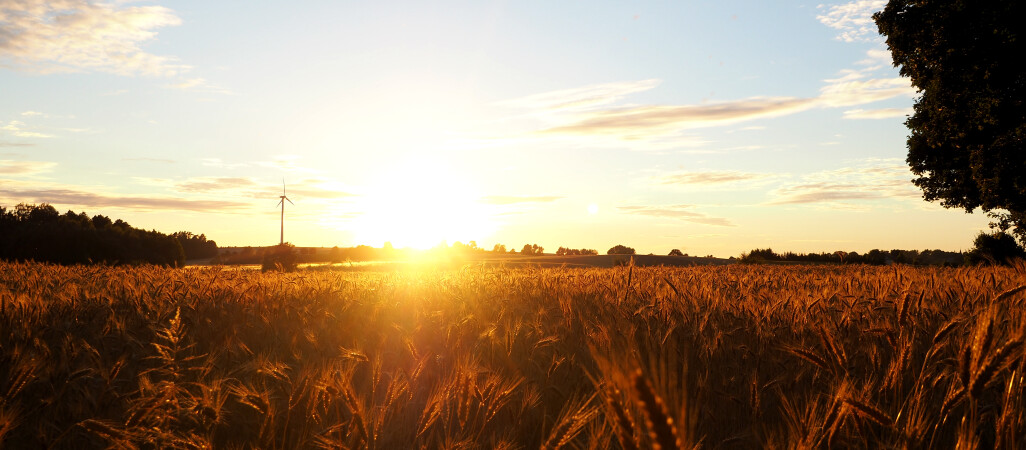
[712, 127]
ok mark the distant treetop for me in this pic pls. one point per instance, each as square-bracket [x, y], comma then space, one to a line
[620, 250]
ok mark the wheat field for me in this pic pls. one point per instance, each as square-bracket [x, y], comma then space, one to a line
[490, 357]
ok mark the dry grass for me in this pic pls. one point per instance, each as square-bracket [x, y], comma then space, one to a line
[628, 357]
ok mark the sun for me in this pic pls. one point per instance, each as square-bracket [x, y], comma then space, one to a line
[419, 204]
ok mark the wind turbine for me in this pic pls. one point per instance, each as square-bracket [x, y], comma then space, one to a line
[282, 203]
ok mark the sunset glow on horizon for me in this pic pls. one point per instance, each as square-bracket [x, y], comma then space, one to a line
[710, 127]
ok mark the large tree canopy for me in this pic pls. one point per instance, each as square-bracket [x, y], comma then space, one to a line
[966, 140]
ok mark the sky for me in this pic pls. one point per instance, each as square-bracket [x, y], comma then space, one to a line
[713, 127]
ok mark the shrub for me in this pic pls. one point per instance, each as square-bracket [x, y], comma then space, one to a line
[620, 250]
[281, 258]
[995, 248]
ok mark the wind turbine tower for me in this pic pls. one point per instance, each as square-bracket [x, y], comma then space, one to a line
[282, 203]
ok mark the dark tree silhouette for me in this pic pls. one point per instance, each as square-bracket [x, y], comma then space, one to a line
[280, 258]
[875, 257]
[563, 251]
[620, 250]
[532, 249]
[969, 125]
[196, 246]
[676, 252]
[994, 248]
[40, 233]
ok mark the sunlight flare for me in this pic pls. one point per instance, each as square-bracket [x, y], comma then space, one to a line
[420, 204]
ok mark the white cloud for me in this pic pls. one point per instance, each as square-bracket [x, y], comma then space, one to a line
[875, 179]
[677, 212]
[854, 87]
[660, 126]
[882, 113]
[197, 85]
[714, 179]
[247, 187]
[666, 120]
[581, 98]
[515, 199]
[81, 35]
[216, 195]
[287, 163]
[595, 116]
[88, 197]
[17, 128]
[853, 20]
[23, 168]
[877, 57]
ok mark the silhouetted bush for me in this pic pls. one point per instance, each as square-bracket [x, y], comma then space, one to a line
[281, 258]
[994, 248]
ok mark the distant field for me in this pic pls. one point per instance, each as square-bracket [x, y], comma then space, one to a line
[319, 256]
[732, 356]
[603, 260]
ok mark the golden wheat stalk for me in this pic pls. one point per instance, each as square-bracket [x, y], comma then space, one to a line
[661, 428]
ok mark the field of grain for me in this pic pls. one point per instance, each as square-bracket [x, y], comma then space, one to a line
[626, 357]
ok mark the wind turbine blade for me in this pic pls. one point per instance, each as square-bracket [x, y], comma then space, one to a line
[279, 203]
[290, 201]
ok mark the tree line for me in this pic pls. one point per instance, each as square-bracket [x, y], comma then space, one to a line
[40, 233]
[988, 248]
[196, 246]
[872, 257]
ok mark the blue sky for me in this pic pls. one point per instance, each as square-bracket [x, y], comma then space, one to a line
[713, 127]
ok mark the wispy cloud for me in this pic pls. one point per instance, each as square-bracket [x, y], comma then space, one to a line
[205, 185]
[156, 160]
[678, 212]
[67, 196]
[197, 85]
[871, 180]
[9, 167]
[660, 126]
[319, 189]
[17, 128]
[855, 87]
[596, 114]
[585, 97]
[882, 113]
[287, 163]
[876, 57]
[664, 120]
[82, 35]
[244, 187]
[221, 164]
[514, 199]
[717, 178]
[853, 20]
